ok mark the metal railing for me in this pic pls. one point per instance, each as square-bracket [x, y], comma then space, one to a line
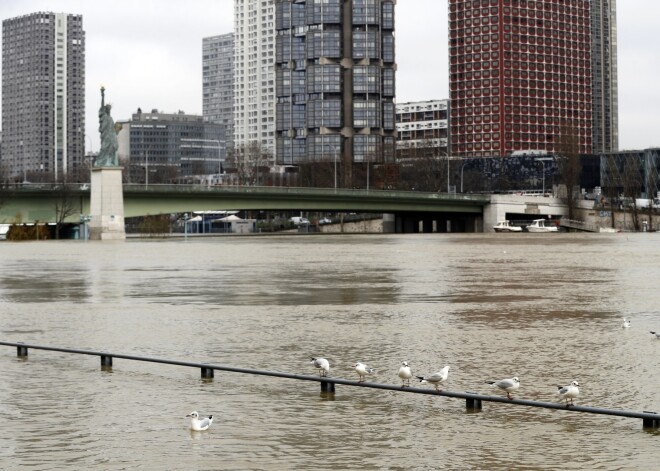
[473, 401]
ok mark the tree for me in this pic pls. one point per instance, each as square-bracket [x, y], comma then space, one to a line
[250, 162]
[65, 206]
[424, 168]
[632, 185]
[570, 166]
[612, 183]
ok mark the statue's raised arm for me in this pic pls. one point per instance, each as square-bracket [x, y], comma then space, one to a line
[108, 153]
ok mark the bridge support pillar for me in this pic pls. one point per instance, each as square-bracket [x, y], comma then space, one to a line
[107, 204]
[389, 223]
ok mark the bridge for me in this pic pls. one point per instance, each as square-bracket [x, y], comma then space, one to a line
[27, 203]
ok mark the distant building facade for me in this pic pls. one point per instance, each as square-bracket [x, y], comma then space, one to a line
[218, 82]
[254, 74]
[162, 147]
[422, 127]
[520, 72]
[43, 96]
[335, 64]
[604, 59]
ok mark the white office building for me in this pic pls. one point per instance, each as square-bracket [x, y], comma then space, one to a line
[254, 74]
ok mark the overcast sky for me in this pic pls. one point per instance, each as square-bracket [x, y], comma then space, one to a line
[148, 54]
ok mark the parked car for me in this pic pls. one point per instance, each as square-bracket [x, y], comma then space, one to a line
[297, 220]
[325, 221]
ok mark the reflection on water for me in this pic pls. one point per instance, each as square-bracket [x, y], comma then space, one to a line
[546, 309]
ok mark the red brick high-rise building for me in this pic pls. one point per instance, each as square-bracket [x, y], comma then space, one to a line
[520, 75]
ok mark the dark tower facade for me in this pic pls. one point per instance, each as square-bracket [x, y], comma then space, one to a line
[335, 82]
[43, 96]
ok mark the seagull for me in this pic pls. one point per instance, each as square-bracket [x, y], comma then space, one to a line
[657, 334]
[322, 364]
[626, 323]
[569, 392]
[436, 378]
[507, 384]
[405, 373]
[198, 424]
[363, 370]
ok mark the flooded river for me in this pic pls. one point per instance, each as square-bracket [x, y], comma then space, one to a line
[545, 308]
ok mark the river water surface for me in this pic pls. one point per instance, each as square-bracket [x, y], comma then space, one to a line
[546, 308]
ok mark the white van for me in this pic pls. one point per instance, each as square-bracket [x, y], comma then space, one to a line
[298, 221]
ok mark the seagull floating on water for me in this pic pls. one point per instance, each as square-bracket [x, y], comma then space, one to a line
[322, 364]
[657, 334]
[363, 370]
[405, 373]
[198, 424]
[436, 378]
[626, 323]
[507, 384]
[569, 392]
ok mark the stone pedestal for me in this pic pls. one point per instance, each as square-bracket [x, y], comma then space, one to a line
[107, 204]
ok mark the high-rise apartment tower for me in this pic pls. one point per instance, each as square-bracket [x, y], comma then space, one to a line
[43, 95]
[520, 76]
[254, 74]
[335, 81]
[604, 69]
[218, 82]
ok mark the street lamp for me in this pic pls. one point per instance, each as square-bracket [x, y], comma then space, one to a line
[185, 226]
[336, 152]
[146, 169]
[462, 167]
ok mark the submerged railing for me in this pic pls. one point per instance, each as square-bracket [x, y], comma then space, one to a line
[473, 401]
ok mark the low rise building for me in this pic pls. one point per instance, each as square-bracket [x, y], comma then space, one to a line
[422, 128]
[161, 147]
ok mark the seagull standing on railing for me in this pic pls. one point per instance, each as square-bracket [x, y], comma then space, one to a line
[405, 373]
[569, 392]
[363, 370]
[197, 424]
[322, 364]
[507, 384]
[436, 378]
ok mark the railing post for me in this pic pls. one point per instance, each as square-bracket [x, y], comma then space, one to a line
[207, 373]
[21, 351]
[327, 387]
[106, 361]
[472, 404]
[652, 424]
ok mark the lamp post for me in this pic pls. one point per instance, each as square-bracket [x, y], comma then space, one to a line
[185, 226]
[336, 152]
[146, 167]
[462, 167]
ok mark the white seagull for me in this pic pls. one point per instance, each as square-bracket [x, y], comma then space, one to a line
[363, 370]
[198, 424]
[657, 334]
[626, 323]
[405, 373]
[569, 392]
[507, 384]
[436, 378]
[322, 364]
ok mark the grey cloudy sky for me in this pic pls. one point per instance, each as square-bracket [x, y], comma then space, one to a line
[148, 54]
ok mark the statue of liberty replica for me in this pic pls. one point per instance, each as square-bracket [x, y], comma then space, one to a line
[106, 203]
[108, 154]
